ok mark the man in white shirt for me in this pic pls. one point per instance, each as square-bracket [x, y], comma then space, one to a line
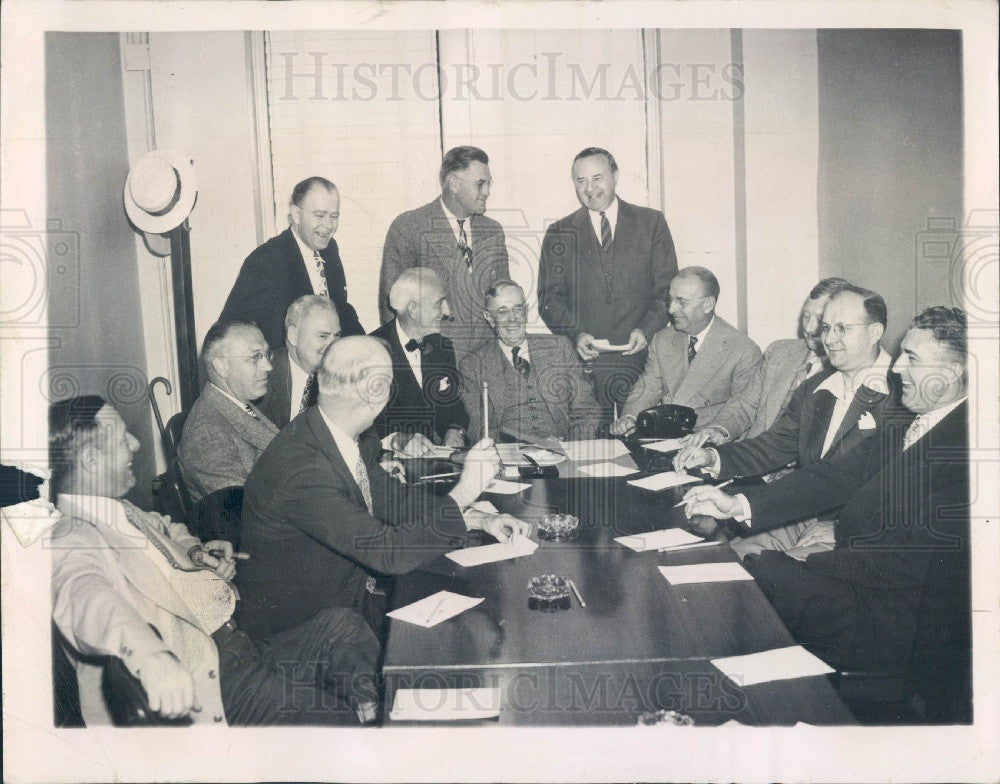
[138, 586]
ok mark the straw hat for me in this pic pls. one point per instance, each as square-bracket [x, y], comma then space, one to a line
[160, 191]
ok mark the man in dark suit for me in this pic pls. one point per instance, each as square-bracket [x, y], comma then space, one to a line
[832, 416]
[894, 591]
[322, 519]
[537, 388]
[303, 259]
[453, 237]
[425, 407]
[604, 274]
[311, 325]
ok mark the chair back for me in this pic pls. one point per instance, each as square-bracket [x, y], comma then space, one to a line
[171, 435]
[171, 496]
[217, 516]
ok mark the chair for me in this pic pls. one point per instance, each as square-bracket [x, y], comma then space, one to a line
[170, 434]
[171, 496]
[217, 516]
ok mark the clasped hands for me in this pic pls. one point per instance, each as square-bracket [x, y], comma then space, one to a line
[217, 556]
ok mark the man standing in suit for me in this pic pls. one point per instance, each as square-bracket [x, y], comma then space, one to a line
[311, 325]
[224, 433]
[322, 520]
[453, 237]
[536, 384]
[786, 364]
[137, 586]
[425, 407]
[831, 417]
[701, 361]
[894, 591]
[303, 259]
[604, 274]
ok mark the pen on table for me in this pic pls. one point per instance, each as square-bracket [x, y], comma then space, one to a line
[724, 484]
[576, 593]
[440, 476]
[486, 409]
[531, 460]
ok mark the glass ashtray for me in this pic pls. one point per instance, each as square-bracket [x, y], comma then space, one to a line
[558, 527]
[548, 593]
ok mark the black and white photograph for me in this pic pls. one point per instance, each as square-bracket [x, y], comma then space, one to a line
[500, 391]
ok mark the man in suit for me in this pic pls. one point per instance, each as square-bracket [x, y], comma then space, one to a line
[303, 259]
[224, 433]
[831, 417]
[700, 361]
[604, 274]
[137, 586]
[894, 591]
[786, 364]
[322, 519]
[425, 407]
[536, 385]
[311, 325]
[453, 237]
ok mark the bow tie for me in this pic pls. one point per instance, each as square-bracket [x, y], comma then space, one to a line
[424, 345]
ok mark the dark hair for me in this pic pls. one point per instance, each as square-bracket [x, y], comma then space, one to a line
[69, 420]
[218, 331]
[299, 191]
[495, 289]
[828, 287]
[873, 303]
[459, 159]
[949, 327]
[592, 151]
[709, 283]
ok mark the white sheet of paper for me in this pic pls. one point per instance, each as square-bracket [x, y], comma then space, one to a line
[657, 540]
[606, 469]
[446, 704]
[498, 551]
[510, 454]
[594, 449]
[485, 506]
[503, 487]
[777, 665]
[664, 480]
[666, 445]
[601, 344]
[435, 452]
[435, 608]
[726, 571]
[688, 546]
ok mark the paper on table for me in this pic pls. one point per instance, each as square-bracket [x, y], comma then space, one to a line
[655, 540]
[446, 704]
[485, 506]
[434, 452]
[435, 608]
[663, 481]
[666, 445]
[499, 551]
[503, 487]
[606, 469]
[689, 546]
[777, 665]
[704, 573]
[595, 449]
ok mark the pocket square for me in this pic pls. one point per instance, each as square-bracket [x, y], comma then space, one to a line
[867, 421]
[443, 385]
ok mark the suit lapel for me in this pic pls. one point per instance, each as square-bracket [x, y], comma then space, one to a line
[403, 375]
[705, 364]
[298, 276]
[863, 401]
[257, 432]
[625, 232]
[324, 439]
[822, 409]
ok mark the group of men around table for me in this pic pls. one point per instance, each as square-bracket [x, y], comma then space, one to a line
[862, 548]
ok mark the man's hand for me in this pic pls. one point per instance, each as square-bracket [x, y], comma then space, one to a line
[636, 342]
[454, 438]
[692, 457]
[702, 525]
[502, 527]
[710, 501]
[393, 468]
[482, 464]
[169, 687]
[623, 425]
[585, 347]
[216, 555]
[705, 435]
[417, 446]
[819, 533]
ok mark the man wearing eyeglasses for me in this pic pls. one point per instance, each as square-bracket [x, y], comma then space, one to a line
[536, 384]
[225, 433]
[833, 416]
[453, 237]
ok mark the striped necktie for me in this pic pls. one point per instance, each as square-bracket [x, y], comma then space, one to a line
[606, 238]
[692, 352]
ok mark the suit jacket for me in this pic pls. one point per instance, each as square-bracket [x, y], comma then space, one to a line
[431, 407]
[724, 364]
[274, 276]
[572, 293]
[220, 443]
[424, 238]
[106, 593]
[277, 403]
[754, 408]
[311, 540]
[561, 384]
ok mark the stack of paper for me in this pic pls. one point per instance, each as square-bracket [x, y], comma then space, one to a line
[663, 481]
[658, 540]
[468, 704]
[503, 487]
[666, 445]
[593, 450]
[435, 608]
[488, 553]
[606, 470]
[705, 573]
[777, 665]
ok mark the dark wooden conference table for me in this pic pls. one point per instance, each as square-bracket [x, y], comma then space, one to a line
[639, 645]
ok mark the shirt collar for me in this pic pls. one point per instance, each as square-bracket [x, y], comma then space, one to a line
[931, 418]
[97, 509]
[508, 351]
[700, 337]
[242, 406]
[610, 212]
[348, 446]
[403, 337]
[876, 378]
[308, 254]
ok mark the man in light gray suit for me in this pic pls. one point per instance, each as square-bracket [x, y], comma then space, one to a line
[700, 361]
[453, 237]
[225, 433]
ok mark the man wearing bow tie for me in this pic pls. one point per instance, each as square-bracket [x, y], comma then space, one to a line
[424, 406]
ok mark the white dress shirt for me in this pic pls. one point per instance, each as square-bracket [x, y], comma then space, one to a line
[348, 446]
[309, 257]
[298, 377]
[509, 351]
[241, 404]
[413, 357]
[843, 389]
[611, 213]
[453, 222]
[922, 425]
[700, 337]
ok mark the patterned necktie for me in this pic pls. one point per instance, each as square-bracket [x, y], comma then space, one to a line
[913, 433]
[521, 365]
[138, 518]
[691, 349]
[321, 267]
[463, 245]
[366, 488]
[249, 409]
[307, 393]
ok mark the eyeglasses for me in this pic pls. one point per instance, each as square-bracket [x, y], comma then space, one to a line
[839, 330]
[255, 358]
[505, 313]
[480, 184]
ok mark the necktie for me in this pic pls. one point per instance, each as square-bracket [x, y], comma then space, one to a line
[138, 518]
[308, 398]
[321, 266]
[463, 245]
[605, 234]
[366, 488]
[691, 349]
[521, 365]
[913, 433]
[413, 345]
[249, 409]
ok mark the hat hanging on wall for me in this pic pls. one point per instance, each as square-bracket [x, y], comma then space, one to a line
[160, 191]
